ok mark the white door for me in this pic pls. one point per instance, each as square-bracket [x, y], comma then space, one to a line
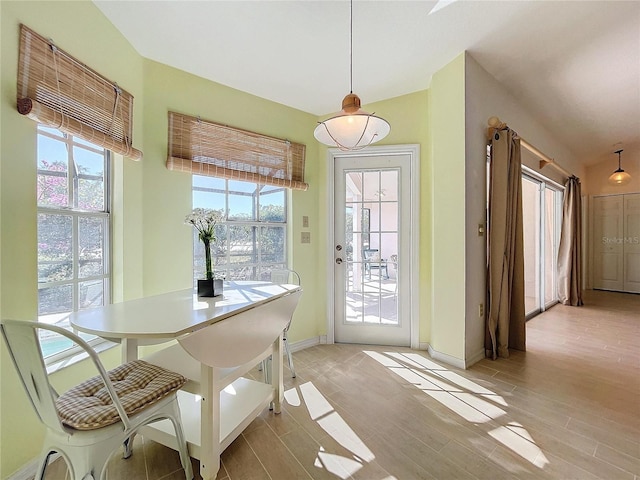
[631, 243]
[372, 226]
[608, 244]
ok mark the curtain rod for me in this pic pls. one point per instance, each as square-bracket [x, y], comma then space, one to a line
[495, 125]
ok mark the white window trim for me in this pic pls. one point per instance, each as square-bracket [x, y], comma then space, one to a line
[75, 354]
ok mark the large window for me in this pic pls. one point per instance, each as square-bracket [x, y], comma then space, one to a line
[252, 238]
[73, 232]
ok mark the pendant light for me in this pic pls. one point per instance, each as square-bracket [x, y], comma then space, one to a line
[351, 128]
[619, 177]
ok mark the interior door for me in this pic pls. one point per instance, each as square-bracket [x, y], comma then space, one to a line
[608, 261]
[371, 244]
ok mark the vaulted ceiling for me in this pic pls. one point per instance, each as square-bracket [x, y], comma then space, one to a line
[574, 64]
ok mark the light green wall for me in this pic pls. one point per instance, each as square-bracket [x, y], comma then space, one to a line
[167, 194]
[107, 51]
[447, 124]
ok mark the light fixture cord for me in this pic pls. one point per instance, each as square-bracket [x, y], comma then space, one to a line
[351, 48]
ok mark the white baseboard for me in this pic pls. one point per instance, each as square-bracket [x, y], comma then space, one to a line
[446, 358]
[423, 346]
[30, 469]
[309, 342]
[475, 358]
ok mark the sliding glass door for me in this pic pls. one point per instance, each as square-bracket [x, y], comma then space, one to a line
[542, 211]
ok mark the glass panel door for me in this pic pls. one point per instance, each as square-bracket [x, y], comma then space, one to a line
[371, 206]
[542, 210]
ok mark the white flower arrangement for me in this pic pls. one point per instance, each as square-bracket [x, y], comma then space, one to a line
[204, 220]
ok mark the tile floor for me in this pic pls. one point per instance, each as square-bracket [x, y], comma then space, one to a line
[568, 408]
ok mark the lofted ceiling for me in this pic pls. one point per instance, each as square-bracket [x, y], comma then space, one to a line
[574, 64]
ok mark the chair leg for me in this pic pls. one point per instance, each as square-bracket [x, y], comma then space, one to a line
[266, 368]
[43, 466]
[128, 447]
[285, 342]
[185, 459]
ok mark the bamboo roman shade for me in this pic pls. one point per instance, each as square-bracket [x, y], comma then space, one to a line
[208, 148]
[58, 91]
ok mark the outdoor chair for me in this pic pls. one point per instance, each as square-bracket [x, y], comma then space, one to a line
[372, 260]
[86, 424]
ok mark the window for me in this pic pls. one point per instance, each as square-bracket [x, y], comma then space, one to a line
[252, 238]
[73, 233]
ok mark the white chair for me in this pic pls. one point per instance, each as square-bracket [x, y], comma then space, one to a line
[86, 424]
[283, 276]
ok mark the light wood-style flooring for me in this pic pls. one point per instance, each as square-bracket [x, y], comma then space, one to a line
[568, 408]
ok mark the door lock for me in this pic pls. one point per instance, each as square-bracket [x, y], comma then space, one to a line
[339, 261]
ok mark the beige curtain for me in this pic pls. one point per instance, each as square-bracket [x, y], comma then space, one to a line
[569, 252]
[505, 324]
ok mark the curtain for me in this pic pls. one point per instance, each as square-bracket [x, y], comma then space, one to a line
[505, 323]
[569, 252]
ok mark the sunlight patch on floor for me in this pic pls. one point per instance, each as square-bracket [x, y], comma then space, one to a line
[323, 413]
[474, 403]
[520, 442]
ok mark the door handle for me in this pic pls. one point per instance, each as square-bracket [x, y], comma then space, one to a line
[339, 261]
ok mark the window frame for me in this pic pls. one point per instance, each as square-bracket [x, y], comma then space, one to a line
[77, 214]
[257, 267]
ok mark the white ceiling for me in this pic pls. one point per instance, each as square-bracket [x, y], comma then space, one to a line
[574, 64]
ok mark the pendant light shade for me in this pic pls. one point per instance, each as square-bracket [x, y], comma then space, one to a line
[351, 128]
[619, 177]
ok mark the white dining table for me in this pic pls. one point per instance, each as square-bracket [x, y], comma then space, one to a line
[219, 339]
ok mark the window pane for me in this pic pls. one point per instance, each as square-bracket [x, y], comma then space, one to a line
[53, 168]
[272, 204]
[90, 294]
[242, 244]
[241, 202]
[209, 192]
[371, 186]
[55, 249]
[272, 244]
[90, 169]
[91, 247]
[55, 299]
[531, 234]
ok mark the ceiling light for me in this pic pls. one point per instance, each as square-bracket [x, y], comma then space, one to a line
[619, 177]
[351, 128]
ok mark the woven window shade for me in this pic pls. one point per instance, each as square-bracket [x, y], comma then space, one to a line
[58, 91]
[207, 148]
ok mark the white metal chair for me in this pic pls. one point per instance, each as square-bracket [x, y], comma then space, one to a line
[291, 277]
[285, 276]
[86, 424]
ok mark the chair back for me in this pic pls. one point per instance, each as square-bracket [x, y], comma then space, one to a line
[369, 253]
[284, 275]
[22, 341]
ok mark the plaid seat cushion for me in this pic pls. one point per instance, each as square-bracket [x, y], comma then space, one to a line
[138, 385]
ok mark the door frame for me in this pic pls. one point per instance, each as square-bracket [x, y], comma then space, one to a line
[413, 151]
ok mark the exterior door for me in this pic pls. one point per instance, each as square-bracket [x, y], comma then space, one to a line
[542, 210]
[371, 246]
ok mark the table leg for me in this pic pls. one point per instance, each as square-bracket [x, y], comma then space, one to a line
[209, 423]
[129, 349]
[277, 377]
